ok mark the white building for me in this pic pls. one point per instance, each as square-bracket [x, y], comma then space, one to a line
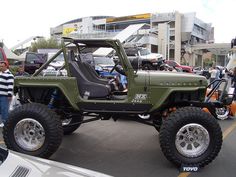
[171, 34]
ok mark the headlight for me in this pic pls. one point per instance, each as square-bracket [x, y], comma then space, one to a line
[153, 60]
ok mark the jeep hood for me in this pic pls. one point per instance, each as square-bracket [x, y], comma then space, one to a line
[186, 67]
[172, 79]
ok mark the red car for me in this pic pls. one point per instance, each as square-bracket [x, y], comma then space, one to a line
[175, 64]
[3, 56]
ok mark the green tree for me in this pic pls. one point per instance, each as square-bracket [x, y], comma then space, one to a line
[208, 62]
[43, 43]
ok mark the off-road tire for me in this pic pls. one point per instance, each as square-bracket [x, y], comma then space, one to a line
[184, 117]
[46, 118]
[157, 124]
[147, 66]
[71, 127]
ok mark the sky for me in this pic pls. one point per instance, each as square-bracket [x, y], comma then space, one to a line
[25, 18]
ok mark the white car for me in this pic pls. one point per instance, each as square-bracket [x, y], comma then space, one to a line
[58, 62]
[14, 164]
[146, 59]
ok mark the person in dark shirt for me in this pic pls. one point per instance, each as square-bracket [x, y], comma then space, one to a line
[21, 72]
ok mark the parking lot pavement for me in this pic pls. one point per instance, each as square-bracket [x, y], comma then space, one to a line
[126, 148]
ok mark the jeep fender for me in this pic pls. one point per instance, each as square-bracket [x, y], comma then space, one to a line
[68, 86]
[207, 107]
[179, 95]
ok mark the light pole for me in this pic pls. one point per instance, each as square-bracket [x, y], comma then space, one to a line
[168, 39]
[161, 47]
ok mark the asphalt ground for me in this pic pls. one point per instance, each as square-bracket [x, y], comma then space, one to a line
[130, 149]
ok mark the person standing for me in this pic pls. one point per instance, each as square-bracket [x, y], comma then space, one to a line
[21, 72]
[214, 75]
[233, 81]
[6, 91]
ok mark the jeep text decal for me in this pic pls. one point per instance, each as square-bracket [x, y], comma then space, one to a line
[139, 98]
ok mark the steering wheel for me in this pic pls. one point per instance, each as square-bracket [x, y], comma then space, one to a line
[118, 68]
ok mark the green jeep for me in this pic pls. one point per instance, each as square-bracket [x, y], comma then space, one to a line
[55, 105]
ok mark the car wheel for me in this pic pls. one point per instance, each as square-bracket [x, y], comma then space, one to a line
[157, 124]
[33, 129]
[71, 124]
[147, 66]
[190, 136]
[144, 116]
[207, 75]
[222, 113]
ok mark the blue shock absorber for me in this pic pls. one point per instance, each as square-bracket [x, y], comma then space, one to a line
[54, 96]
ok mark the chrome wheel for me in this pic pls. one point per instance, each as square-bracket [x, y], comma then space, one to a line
[192, 140]
[66, 122]
[29, 134]
[222, 113]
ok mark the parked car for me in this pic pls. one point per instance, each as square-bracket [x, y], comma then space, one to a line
[197, 70]
[146, 59]
[58, 62]
[20, 165]
[103, 66]
[34, 61]
[56, 106]
[203, 72]
[184, 68]
[207, 74]
[3, 56]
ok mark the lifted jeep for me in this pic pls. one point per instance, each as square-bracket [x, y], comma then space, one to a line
[171, 102]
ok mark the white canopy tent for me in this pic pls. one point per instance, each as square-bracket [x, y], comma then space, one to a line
[122, 36]
[11, 55]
